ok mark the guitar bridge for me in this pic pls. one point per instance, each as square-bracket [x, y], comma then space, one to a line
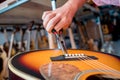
[71, 57]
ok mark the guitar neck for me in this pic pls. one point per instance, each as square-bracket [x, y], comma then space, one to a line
[30, 25]
[22, 31]
[72, 38]
[51, 39]
[32, 38]
[5, 34]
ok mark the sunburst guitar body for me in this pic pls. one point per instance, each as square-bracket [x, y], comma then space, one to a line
[76, 65]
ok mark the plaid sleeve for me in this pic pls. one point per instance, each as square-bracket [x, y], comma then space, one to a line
[107, 2]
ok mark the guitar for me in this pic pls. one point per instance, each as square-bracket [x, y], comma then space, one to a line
[32, 41]
[90, 65]
[72, 38]
[22, 47]
[9, 45]
[10, 50]
[105, 29]
[3, 57]
[38, 37]
[30, 44]
[44, 39]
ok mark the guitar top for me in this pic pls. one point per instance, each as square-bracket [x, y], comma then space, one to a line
[79, 64]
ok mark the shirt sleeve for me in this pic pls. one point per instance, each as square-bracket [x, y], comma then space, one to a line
[107, 2]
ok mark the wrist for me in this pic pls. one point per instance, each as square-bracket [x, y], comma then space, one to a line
[76, 3]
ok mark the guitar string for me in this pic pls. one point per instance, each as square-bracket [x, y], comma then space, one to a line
[97, 64]
[110, 72]
[103, 65]
[100, 65]
[107, 68]
[102, 71]
[99, 70]
[91, 65]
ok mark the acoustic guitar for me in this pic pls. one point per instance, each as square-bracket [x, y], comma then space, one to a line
[9, 44]
[22, 45]
[72, 40]
[76, 65]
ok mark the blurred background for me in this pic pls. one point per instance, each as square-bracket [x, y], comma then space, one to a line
[93, 27]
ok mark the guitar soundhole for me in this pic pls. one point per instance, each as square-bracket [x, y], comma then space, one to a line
[100, 77]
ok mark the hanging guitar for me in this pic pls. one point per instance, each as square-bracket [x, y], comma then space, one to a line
[38, 37]
[30, 41]
[8, 45]
[11, 51]
[83, 34]
[73, 45]
[41, 37]
[44, 39]
[3, 56]
[22, 32]
[17, 43]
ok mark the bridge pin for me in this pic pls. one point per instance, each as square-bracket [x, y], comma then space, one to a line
[73, 54]
[79, 55]
[83, 55]
[65, 55]
[76, 54]
[69, 55]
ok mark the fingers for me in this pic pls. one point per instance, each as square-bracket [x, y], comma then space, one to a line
[59, 25]
[50, 19]
[63, 23]
[55, 20]
[45, 13]
[47, 18]
[52, 23]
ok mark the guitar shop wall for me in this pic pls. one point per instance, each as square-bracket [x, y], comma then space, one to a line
[23, 36]
[100, 31]
[110, 21]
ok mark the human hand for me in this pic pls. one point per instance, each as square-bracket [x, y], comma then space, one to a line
[59, 18]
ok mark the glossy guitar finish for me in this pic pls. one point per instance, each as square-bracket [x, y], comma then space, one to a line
[27, 65]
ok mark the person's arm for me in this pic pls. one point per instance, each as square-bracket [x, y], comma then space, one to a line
[107, 2]
[62, 16]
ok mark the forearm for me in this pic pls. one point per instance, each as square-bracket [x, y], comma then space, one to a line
[75, 4]
[107, 2]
